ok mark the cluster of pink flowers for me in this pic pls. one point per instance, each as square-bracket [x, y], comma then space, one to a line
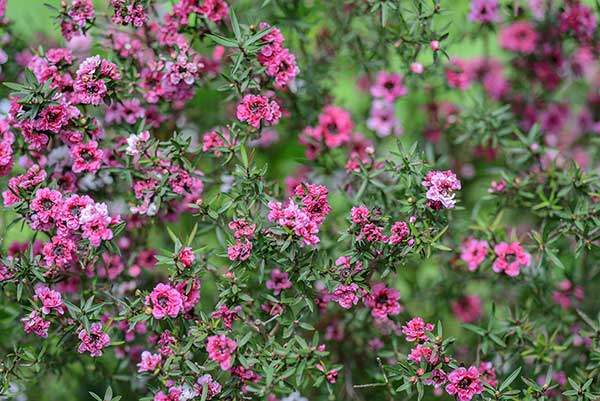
[214, 10]
[257, 110]
[372, 231]
[278, 61]
[463, 383]
[128, 12]
[441, 187]
[243, 232]
[75, 17]
[304, 218]
[71, 218]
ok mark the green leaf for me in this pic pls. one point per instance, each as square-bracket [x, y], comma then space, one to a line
[510, 379]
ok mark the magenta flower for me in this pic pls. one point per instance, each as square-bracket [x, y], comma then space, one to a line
[46, 204]
[255, 109]
[228, 316]
[488, 373]
[60, 251]
[415, 330]
[467, 309]
[388, 86]
[345, 295]
[95, 221]
[464, 383]
[186, 256]
[457, 75]
[86, 157]
[279, 281]
[214, 387]
[359, 215]
[382, 119]
[50, 299]
[440, 188]
[149, 362]
[383, 301]
[165, 301]
[473, 252]
[437, 379]
[220, 348]
[214, 10]
[484, 11]
[94, 341]
[509, 258]
[519, 37]
[34, 323]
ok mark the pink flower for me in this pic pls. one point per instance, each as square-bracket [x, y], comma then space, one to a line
[214, 10]
[417, 68]
[488, 373]
[382, 119]
[422, 352]
[359, 215]
[94, 341]
[149, 362]
[440, 188]
[190, 293]
[345, 295]
[86, 157]
[241, 228]
[279, 281]
[81, 11]
[464, 383]
[255, 109]
[240, 250]
[389, 86]
[580, 19]
[186, 256]
[383, 301]
[400, 232]
[34, 323]
[473, 252]
[59, 251]
[46, 204]
[415, 330]
[228, 316]
[50, 299]
[214, 387]
[220, 348]
[467, 309]
[94, 221]
[484, 11]
[437, 379]
[330, 375]
[509, 258]
[519, 37]
[457, 75]
[567, 294]
[165, 300]
[282, 66]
